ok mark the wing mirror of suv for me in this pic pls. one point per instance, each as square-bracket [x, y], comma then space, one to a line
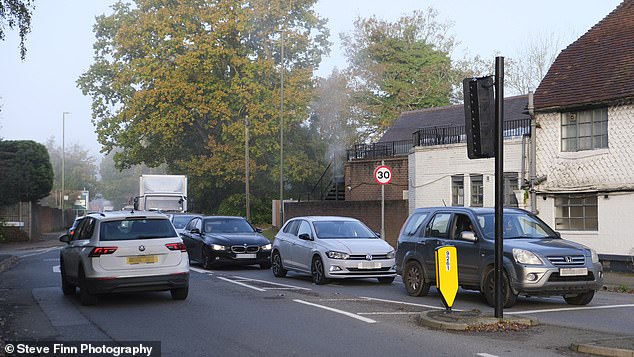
[64, 238]
[469, 236]
[305, 236]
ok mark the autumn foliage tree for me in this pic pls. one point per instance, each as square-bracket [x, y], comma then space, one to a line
[173, 82]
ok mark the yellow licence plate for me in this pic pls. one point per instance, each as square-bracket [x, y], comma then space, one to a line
[143, 259]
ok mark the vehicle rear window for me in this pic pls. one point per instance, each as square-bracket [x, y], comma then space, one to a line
[130, 229]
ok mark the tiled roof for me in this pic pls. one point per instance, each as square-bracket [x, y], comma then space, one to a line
[597, 68]
[409, 122]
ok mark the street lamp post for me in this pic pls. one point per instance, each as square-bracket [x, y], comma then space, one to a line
[63, 160]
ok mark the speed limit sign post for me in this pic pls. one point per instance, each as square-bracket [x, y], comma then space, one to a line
[383, 176]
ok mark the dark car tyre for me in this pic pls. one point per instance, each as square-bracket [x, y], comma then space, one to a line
[488, 290]
[205, 259]
[317, 271]
[67, 288]
[580, 299]
[85, 297]
[414, 279]
[278, 268]
[386, 280]
[180, 293]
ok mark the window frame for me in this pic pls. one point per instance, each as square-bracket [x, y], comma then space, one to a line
[574, 127]
[457, 190]
[477, 192]
[587, 212]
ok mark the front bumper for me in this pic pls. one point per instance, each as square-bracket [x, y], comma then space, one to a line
[225, 257]
[549, 281]
[344, 268]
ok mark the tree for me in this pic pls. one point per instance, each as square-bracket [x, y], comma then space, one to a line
[26, 174]
[16, 14]
[530, 64]
[173, 82]
[397, 67]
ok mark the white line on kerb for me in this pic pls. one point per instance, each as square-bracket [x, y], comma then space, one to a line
[242, 284]
[569, 309]
[349, 314]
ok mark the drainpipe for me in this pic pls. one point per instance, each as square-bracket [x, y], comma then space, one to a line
[532, 161]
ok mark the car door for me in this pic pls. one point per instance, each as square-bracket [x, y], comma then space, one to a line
[73, 251]
[302, 249]
[468, 252]
[435, 234]
[191, 239]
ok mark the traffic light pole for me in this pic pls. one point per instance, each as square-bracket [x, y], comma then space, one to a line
[499, 185]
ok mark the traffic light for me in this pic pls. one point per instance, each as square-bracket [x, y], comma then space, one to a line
[479, 109]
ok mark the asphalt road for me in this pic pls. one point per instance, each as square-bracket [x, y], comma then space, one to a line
[248, 312]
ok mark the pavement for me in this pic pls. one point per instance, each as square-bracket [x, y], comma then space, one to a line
[469, 321]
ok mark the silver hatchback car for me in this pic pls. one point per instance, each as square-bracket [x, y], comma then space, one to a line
[332, 248]
[124, 252]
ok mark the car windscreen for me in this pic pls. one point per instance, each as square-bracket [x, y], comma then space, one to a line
[342, 230]
[227, 225]
[180, 222]
[129, 229]
[516, 225]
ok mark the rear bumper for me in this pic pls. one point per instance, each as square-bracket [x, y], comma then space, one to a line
[140, 283]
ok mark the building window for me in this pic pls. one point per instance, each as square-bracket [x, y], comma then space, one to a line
[457, 190]
[477, 188]
[584, 130]
[576, 213]
[510, 186]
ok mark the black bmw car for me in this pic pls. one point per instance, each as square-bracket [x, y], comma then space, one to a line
[226, 240]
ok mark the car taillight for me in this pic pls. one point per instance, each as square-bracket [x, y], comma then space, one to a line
[176, 246]
[99, 251]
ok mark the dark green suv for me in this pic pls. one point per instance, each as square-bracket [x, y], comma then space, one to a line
[537, 261]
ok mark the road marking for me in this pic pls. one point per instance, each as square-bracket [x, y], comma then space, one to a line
[406, 303]
[272, 283]
[240, 283]
[56, 269]
[349, 314]
[38, 252]
[202, 271]
[390, 313]
[570, 309]
[485, 355]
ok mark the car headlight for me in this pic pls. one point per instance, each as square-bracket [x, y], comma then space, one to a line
[390, 254]
[595, 256]
[266, 247]
[527, 257]
[337, 255]
[218, 247]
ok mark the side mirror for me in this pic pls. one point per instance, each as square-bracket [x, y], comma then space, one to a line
[258, 230]
[195, 231]
[64, 238]
[469, 236]
[558, 234]
[378, 234]
[305, 236]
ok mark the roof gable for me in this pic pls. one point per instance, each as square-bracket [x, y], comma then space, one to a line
[597, 68]
[409, 122]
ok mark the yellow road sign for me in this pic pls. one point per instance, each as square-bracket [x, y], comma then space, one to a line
[447, 274]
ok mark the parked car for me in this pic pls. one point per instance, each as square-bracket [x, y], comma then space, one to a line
[124, 252]
[332, 248]
[537, 261]
[226, 240]
[180, 220]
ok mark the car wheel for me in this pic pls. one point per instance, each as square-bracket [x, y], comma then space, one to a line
[67, 288]
[386, 280]
[488, 290]
[317, 271]
[85, 297]
[206, 259]
[179, 293]
[580, 299]
[278, 268]
[414, 279]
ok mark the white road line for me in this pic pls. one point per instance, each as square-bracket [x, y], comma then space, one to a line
[361, 299]
[56, 269]
[272, 283]
[485, 355]
[242, 284]
[38, 252]
[390, 313]
[349, 314]
[202, 271]
[569, 309]
[406, 303]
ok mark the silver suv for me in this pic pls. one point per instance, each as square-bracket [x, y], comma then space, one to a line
[537, 261]
[124, 252]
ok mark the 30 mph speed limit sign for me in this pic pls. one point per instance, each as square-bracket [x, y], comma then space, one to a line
[383, 175]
